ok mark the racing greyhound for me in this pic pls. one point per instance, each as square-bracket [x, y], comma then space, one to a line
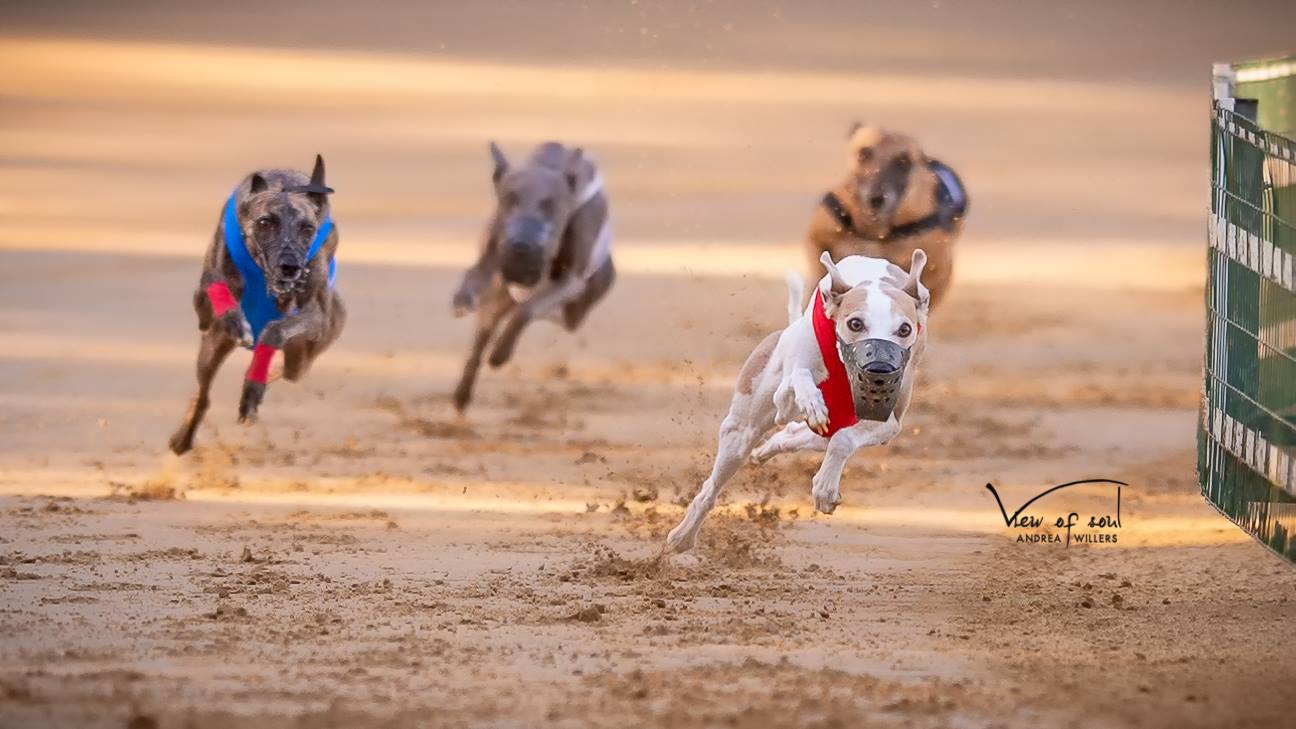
[838, 378]
[267, 284]
[893, 201]
[547, 253]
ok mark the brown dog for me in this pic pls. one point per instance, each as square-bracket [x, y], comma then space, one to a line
[895, 200]
[547, 253]
[267, 284]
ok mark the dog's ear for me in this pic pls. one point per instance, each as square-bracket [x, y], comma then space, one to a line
[316, 190]
[854, 127]
[572, 172]
[257, 183]
[837, 286]
[916, 266]
[501, 162]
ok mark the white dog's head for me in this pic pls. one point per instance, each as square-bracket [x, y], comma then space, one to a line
[890, 305]
[880, 322]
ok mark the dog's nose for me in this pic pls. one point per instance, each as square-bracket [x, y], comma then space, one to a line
[877, 202]
[880, 368]
[289, 270]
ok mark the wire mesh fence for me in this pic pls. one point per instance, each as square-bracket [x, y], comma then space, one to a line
[1247, 431]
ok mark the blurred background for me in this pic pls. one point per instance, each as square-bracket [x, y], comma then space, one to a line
[123, 124]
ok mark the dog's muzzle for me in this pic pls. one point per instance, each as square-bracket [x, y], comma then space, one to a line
[875, 368]
[285, 276]
[522, 254]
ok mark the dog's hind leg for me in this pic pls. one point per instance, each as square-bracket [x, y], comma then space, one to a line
[750, 416]
[493, 309]
[216, 346]
[795, 437]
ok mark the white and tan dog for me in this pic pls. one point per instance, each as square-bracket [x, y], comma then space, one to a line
[851, 355]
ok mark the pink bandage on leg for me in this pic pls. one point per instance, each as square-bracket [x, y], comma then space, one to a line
[220, 297]
[259, 370]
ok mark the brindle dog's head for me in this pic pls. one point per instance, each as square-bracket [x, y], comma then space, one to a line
[280, 211]
[888, 179]
[534, 203]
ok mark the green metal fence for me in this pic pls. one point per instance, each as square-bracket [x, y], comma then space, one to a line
[1246, 456]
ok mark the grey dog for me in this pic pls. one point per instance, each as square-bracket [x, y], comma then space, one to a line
[546, 253]
[267, 284]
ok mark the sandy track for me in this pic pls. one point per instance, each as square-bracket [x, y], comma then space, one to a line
[361, 557]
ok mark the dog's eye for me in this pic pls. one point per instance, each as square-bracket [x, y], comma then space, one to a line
[904, 330]
[308, 229]
[904, 163]
[865, 154]
[855, 325]
[265, 221]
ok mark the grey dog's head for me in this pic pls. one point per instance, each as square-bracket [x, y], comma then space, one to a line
[280, 211]
[534, 203]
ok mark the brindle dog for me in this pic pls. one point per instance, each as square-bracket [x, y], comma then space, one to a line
[546, 253]
[267, 281]
[894, 200]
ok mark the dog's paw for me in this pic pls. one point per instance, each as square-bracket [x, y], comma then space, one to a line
[814, 409]
[462, 395]
[826, 498]
[181, 442]
[253, 394]
[463, 303]
[236, 326]
[681, 539]
[500, 355]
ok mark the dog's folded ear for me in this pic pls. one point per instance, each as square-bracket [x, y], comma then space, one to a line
[916, 266]
[257, 183]
[501, 162]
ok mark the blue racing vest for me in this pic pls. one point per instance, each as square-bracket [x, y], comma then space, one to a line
[259, 307]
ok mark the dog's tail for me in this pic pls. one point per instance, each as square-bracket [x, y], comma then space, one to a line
[796, 294]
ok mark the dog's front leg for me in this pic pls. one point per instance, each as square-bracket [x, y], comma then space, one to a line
[543, 301]
[826, 485]
[474, 282]
[216, 303]
[216, 346]
[308, 325]
[478, 277]
[495, 305]
[799, 398]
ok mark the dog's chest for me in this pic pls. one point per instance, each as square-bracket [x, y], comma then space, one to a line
[520, 293]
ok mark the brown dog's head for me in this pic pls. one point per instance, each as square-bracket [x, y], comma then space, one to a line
[280, 212]
[533, 206]
[888, 180]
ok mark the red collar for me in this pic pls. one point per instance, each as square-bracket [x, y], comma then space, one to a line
[836, 387]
